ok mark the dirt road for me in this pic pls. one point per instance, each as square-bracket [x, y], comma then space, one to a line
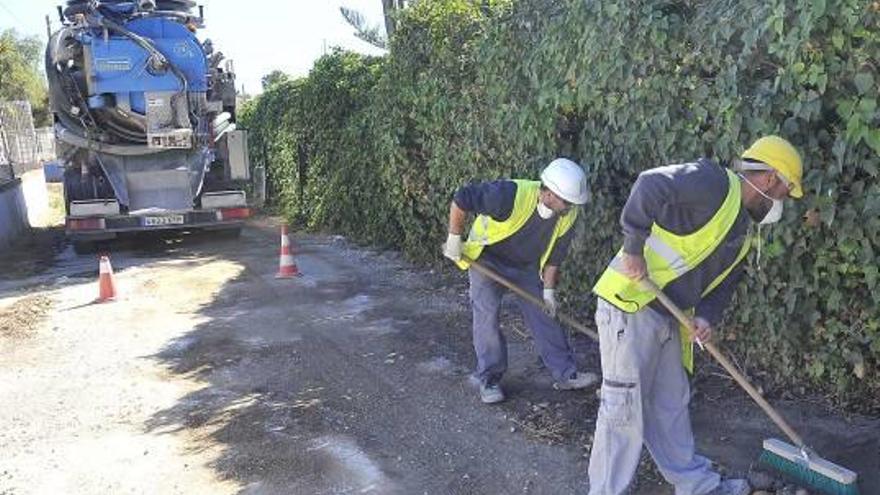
[208, 375]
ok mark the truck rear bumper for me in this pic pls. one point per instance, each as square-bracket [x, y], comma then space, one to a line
[97, 228]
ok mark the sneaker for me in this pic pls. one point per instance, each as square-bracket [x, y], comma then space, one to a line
[577, 381]
[732, 487]
[491, 394]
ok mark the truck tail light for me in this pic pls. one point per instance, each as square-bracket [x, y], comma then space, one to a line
[234, 213]
[86, 224]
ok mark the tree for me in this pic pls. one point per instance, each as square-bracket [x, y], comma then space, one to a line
[273, 78]
[372, 34]
[21, 74]
[388, 8]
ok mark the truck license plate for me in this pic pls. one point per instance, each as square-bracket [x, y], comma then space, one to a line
[163, 220]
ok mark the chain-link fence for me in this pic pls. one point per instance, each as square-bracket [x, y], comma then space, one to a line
[22, 147]
[45, 150]
[6, 173]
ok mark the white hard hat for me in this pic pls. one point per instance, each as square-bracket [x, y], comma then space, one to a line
[567, 180]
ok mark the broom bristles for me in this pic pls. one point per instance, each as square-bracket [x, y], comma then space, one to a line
[815, 473]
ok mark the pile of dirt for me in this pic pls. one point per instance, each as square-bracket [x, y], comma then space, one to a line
[20, 319]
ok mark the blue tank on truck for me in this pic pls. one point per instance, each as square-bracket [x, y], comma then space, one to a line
[144, 121]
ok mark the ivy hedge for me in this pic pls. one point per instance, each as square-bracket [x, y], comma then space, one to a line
[375, 147]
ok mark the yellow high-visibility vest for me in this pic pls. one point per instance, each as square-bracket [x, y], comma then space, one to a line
[668, 256]
[485, 231]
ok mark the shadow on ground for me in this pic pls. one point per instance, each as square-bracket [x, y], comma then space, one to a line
[355, 378]
[32, 254]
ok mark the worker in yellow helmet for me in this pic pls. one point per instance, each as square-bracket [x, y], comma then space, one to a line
[685, 227]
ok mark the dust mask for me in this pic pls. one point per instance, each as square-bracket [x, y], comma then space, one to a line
[774, 214]
[544, 212]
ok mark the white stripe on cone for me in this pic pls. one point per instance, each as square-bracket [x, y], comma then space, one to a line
[286, 265]
[104, 266]
[106, 287]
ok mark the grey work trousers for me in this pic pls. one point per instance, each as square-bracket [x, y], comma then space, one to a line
[645, 397]
[490, 344]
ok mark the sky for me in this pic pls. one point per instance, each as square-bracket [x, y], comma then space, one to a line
[258, 35]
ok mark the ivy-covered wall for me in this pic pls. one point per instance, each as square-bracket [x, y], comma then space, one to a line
[473, 89]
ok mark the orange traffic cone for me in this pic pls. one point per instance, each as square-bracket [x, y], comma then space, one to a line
[106, 287]
[286, 266]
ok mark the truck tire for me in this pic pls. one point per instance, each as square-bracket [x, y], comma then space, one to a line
[84, 247]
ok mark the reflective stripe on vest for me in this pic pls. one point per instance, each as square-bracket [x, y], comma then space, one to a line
[668, 256]
[485, 231]
[675, 262]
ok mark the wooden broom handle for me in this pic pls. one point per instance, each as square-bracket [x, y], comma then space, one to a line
[529, 297]
[725, 362]
[681, 317]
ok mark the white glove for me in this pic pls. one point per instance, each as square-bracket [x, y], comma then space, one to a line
[702, 331]
[452, 248]
[550, 302]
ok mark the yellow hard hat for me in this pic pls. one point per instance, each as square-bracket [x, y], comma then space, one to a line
[780, 155]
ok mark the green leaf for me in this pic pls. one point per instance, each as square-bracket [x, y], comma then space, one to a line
[872, 137]
[863, 81]
[867, 106]
[871, 273]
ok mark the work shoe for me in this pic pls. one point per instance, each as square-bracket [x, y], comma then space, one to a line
[577, 381]
[491, 393]
[732, 487]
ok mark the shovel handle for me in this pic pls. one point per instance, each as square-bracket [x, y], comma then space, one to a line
[488, 272]
[727, 365]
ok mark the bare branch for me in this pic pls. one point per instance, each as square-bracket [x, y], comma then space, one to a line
[370, 34]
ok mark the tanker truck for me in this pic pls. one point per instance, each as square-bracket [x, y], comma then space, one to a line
[144, 119]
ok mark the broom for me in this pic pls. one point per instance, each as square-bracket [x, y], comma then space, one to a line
[797, 461]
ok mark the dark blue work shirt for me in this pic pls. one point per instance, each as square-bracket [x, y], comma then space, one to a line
[682, 199]
[525, 247]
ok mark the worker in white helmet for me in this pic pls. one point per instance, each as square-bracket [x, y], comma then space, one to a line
[522, 231]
